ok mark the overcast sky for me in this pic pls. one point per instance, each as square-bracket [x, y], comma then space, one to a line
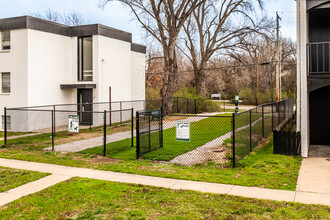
[117, 16]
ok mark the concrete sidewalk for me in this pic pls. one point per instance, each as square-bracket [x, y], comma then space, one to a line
[61, 173]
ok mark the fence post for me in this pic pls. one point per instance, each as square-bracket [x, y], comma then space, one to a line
[149, 132]
[137, 135]
[104, 133]
[161, 128]
[53, 130]
[272, 116]
[224, 105]
[121, 113]
[263, 122]
[187, 106]
[5, 126]
[132, 125]
[54, 120]
[177, 104]
[233, 146]
[250, 130]
[110, 119]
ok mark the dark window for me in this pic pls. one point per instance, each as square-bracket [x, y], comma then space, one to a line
[85, 59]
[5, 38]
[5, 82]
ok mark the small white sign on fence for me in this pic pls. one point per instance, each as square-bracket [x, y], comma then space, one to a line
[183, 131]
[74, 123]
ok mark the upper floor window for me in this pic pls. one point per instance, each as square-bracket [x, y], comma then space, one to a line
[5, 40]
[85, 59]
[5, 82]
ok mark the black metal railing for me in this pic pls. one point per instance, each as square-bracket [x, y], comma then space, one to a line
[318, 55]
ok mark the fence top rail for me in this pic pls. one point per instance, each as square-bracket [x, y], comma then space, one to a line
[75, 104]
[263, 105]
[197, 115]
[50, 110]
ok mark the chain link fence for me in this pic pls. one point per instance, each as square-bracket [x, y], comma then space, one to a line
[90, 132]
[251, 126]
[207, 139]
[183, 139]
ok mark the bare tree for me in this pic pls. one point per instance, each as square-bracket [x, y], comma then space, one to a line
[71, 19]
[163, 20]
[215, 26]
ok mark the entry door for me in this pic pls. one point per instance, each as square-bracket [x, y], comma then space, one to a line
[319, 113]
[85, 106]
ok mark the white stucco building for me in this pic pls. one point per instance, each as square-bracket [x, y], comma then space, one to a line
[45, 63]
[313, 73]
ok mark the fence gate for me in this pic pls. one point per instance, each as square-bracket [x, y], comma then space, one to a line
[149, 131]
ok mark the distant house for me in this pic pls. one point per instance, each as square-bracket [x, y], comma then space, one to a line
[313, 73]
[43, 62]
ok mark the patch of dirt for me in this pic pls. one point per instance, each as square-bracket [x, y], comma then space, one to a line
[216, 154]
[100, 159]
[71, 137]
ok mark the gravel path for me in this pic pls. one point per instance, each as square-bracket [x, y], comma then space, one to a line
[211, 151]
[77, 146]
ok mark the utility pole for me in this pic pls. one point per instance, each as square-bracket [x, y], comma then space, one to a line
[277, 75]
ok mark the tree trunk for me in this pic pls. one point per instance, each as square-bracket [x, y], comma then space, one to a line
[200, 82]
[169, 80]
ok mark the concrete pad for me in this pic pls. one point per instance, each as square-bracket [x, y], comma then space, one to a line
[313, 198]
[202, 187]
[314, 176]
[319, 151]
[150, 181]
[261, 193]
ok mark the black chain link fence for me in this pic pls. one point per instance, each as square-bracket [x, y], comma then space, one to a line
[214, 138]
[89, 132]
[184, 139]
[251, 126]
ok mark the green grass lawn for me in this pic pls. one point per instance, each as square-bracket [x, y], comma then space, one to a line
[261, 169]
[12, 178]
[109, 200]
[202, 132]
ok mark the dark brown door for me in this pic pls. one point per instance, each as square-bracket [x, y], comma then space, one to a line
[85, 106]
[319, 116]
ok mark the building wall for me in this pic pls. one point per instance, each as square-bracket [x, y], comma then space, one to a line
[15, 62]
[138, 79]
[114, 69]
[39, 62]
[50, 64]
[302, 90]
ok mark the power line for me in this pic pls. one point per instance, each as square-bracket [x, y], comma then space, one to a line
[227, 67]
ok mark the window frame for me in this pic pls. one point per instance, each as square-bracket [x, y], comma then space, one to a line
[80, 56]
[2, 33]
[1, 81]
